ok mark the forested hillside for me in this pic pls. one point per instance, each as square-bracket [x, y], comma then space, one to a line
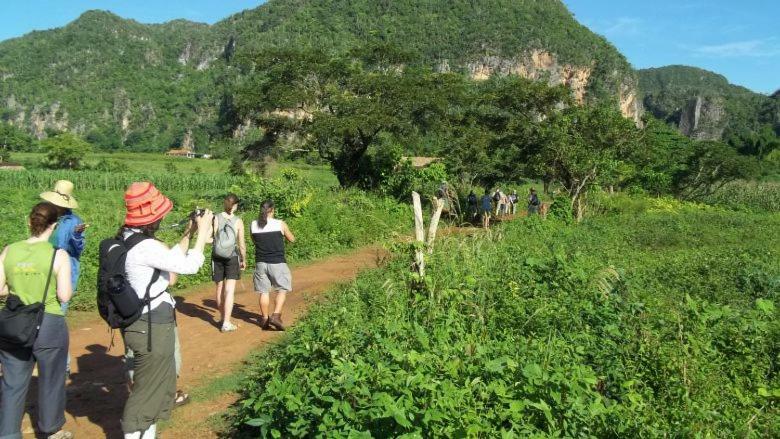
[123, 84]
[704, 105]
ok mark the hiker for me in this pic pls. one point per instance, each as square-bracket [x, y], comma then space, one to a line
[504, 204]
[228, 258]
[68, 235]
[487, 208]
[497, 200]
[271, 270]
[35, 272]
[148, 268]
[513, 200]
[533, 203]
[472, 204]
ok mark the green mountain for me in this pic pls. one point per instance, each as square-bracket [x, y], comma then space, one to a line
[124, 84]
[703, 104]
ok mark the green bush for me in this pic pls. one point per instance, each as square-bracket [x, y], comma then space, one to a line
[624, 326]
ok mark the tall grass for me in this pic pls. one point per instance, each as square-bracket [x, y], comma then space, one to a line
[108, 181]
[743, 195]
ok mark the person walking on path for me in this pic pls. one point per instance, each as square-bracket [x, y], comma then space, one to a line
[228, 258]
[487, 208]
[28, 268]
[472, 202]
[68, 235]
[533, 203]
[513, 200]
[148, 267]
[271, 270]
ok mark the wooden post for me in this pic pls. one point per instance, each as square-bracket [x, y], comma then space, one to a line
[419, 233]
[438, 205]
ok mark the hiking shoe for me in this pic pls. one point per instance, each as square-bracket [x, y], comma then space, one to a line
[262, 321]
[228, 327]
[275, 322]
[62, 434]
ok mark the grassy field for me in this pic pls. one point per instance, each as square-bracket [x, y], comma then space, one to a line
[137, 162]
[653, 318]
[324, 219]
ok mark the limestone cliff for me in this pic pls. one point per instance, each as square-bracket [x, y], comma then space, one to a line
[540, 65]
[703, 118]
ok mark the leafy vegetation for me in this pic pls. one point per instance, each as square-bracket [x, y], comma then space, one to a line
[323, 219]
[668, 323]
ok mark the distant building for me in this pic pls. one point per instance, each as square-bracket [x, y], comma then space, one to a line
[181, 153]
[421, 162]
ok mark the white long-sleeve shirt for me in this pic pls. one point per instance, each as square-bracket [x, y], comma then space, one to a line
[151, 254]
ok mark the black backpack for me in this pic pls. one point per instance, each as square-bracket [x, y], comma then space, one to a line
[117, 301]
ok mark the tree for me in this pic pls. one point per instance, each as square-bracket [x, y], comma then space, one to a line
[65, 151]
[579, 146]
[341, 108]
[13, 139]
[709, 167]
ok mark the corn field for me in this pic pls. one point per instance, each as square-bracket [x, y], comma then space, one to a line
[98, 180]
[755, 196]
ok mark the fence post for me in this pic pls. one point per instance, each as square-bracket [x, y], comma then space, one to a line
[419, 234]
[438, 206]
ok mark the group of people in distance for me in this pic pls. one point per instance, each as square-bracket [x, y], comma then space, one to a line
[49, 260]
[499, 204]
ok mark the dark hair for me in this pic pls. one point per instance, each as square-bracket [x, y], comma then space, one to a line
[230, 201]
[42, 216]
[148, 229]
[266, 207]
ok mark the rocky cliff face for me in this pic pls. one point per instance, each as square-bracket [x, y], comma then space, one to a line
[540, 65]
[703, 118]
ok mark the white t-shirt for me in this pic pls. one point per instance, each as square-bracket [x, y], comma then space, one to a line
[151, 254]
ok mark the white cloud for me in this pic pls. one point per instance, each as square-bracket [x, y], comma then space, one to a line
[741, 49]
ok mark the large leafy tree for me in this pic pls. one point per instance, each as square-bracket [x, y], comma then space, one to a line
[342, 107]
[13, 139]
[65, 151]
[495, 130]
[581, 147]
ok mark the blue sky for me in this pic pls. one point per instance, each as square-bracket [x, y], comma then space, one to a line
[739, 39]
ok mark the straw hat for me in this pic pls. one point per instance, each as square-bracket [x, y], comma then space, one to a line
[145, 204]
[62, 195]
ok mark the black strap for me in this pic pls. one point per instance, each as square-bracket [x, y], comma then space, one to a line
[148, 300]
[48, 278]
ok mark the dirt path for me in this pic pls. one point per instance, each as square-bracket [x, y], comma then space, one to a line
[97, 391]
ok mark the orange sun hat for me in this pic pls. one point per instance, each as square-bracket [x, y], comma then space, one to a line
[145, 204]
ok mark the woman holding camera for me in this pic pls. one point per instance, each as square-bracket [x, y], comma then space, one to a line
[28, 268]
[150, 264]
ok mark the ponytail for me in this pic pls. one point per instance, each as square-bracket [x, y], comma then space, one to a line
[42, 215]
[230, 201]
[266, 207]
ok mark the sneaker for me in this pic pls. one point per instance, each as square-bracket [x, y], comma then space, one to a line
[275, 322]
[228, 327]
[62, 434]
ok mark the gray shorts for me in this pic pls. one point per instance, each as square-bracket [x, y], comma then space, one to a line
[269, 277]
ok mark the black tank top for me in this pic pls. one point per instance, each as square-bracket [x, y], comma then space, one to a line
[269, 242]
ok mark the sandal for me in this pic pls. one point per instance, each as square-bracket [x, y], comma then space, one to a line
[181, 399]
